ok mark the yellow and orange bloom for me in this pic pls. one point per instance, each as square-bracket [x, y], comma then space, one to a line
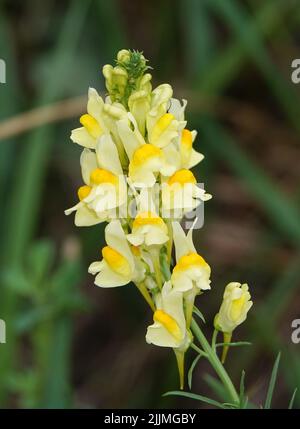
[117, 267]
[169, 327]
[93, 125]
[105, 188]
[191, 271]
[181, 194]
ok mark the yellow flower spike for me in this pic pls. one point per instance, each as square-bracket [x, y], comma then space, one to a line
[116, 261]
[83, 192]
[169, 323]
[100, 176]
[182, 177]
[91, 125]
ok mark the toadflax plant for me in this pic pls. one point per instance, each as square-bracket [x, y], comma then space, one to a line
[136, 169]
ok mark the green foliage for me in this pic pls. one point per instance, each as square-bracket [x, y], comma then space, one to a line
[135, 66]
[272, 383]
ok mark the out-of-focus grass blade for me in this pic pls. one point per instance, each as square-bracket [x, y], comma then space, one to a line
[282, 291]
[199, 36]
[243, 27]
[291, 403]
[225, 68]
[27, 187]
[280, 211]
[273, 379]
[56, 391]
[242, 390]
[217, 387]
[9, 104]
[108, 15]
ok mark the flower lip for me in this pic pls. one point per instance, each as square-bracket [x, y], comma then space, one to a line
[186, 138]
[144, 154]
[100, 176]
[161, 125]
[116, 261]
[147, 218]
[237, 306]
[91, 125]
[169, 324]
[188, 261]
[83, 192]
[182, 177]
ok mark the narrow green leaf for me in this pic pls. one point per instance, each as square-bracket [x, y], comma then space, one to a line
[291, 403]
[199, 314]
[201, 398]
[192, 367]
[236, 344]
[230, 405]
[272, 383]
[243, 398]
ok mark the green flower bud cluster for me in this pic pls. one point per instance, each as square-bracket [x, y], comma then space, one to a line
[127, 77]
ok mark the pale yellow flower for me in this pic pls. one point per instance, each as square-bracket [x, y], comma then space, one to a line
[139, 102]
[169, 327]
[191, 271]
[234, 308]
[181, 152]
[160, 101]
[117, 267]
[93, 125]
[181, 193]
[105, 188]
[148, 228]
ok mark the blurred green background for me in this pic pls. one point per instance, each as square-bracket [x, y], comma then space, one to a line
[70, 344]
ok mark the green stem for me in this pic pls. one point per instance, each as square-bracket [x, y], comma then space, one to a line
[144, 291]
[198, 350]
[170, 242]
[216, 363]
[214, 339]
[154, 252]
